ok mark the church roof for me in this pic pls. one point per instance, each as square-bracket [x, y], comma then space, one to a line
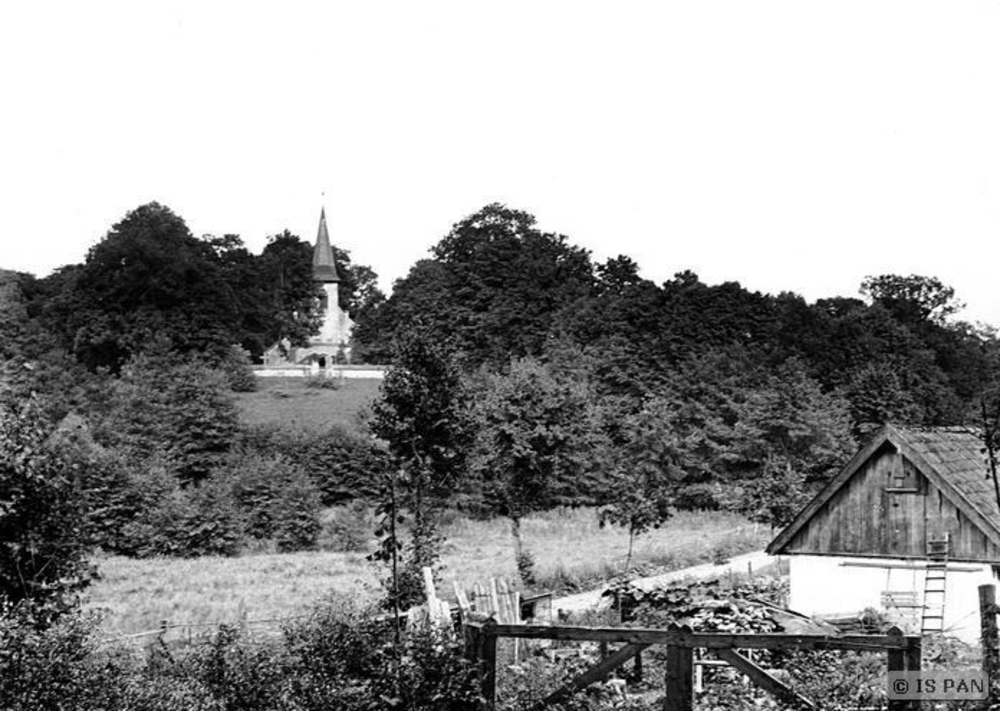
[324, 261]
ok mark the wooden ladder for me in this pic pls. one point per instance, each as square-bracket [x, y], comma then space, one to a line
[935, 583]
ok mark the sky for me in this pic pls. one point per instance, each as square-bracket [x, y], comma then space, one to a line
[789, 145]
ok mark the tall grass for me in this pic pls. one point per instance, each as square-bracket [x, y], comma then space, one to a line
[571, 550]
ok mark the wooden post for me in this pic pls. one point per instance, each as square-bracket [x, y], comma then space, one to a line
[680, 693]
[472, 644]
[488, 661]
[637, 668]
[602, 647]
[989, 638]
[903, 659]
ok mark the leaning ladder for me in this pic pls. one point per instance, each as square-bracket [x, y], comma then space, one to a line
[935, 583]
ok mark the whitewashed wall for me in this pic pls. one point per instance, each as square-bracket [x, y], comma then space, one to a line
[376, 372]
[823, 585]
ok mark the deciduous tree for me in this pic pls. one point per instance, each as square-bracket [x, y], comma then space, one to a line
[538, 445]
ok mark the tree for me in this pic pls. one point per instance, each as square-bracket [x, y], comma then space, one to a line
[876, 396]
[181, 411]
[246, 286]
[493, 287]
[42, 520]
[538, 445]
[293, 297]
[790, 437]
[912, 299]
[421, 414]
[32, 361]
[149, 278]
[647, 470]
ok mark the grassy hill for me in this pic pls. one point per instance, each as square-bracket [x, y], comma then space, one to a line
[291, 403]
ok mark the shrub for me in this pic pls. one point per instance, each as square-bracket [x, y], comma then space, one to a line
[179, 411]
[347, 529]
[238, 373]
[322, 381]
[175, 521]
[340, 657]
[343, 658]
[296, 515]
[342, 466]
[276, 498]
[59, 667]
[42, 515]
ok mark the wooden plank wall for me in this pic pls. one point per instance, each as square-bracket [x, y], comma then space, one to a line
[867, 519]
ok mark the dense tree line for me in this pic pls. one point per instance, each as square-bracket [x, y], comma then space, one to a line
[150, 281]
[587, 383]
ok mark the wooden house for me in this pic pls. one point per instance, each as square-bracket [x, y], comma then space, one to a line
[910, 527]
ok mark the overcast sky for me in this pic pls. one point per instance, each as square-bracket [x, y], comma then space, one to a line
[788, 145]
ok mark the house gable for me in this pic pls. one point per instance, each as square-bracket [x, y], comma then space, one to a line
[888, 502]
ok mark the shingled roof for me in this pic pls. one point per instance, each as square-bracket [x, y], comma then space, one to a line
[324, 260]
[952, 458]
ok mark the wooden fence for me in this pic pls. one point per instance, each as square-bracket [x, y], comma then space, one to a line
[903, 654]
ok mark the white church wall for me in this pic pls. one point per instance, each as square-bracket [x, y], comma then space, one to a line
[360, 372]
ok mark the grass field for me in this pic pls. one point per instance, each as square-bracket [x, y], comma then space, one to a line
[288, 402]
[569, 547]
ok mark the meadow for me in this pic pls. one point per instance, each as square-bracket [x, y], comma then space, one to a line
[290, 403]
[572, 551]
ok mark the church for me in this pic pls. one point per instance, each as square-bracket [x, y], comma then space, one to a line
[332, 344]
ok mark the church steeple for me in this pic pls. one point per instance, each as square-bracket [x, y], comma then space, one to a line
[324, 261]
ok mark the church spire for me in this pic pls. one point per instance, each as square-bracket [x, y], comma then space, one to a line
[324, 261]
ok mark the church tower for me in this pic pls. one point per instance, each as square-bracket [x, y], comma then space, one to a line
[333, 342]
[335, 332]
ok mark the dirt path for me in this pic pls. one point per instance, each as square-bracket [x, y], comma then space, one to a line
[592, 599]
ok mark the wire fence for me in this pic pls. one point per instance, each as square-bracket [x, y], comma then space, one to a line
[208, 629]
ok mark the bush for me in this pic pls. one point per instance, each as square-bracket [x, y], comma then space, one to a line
[181, 412]
[175, 521]
[347, 529]
[59, 667]
[42, 514]
[340, 658]
[238, 373]
[276, 498]
[323, 381]
[342, 466]
[252, 498]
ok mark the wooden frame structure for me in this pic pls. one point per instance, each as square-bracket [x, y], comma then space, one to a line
[902, 651]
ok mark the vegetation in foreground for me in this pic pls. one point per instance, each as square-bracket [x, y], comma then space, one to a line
[337, 657]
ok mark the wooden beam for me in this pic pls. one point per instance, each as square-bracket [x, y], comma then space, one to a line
[916, 565]
[707, 640]
[595, 673]
[764, 680]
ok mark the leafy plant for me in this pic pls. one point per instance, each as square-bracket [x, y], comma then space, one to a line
[43, 520]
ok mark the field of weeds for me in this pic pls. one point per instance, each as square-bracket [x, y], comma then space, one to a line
[571, 552]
